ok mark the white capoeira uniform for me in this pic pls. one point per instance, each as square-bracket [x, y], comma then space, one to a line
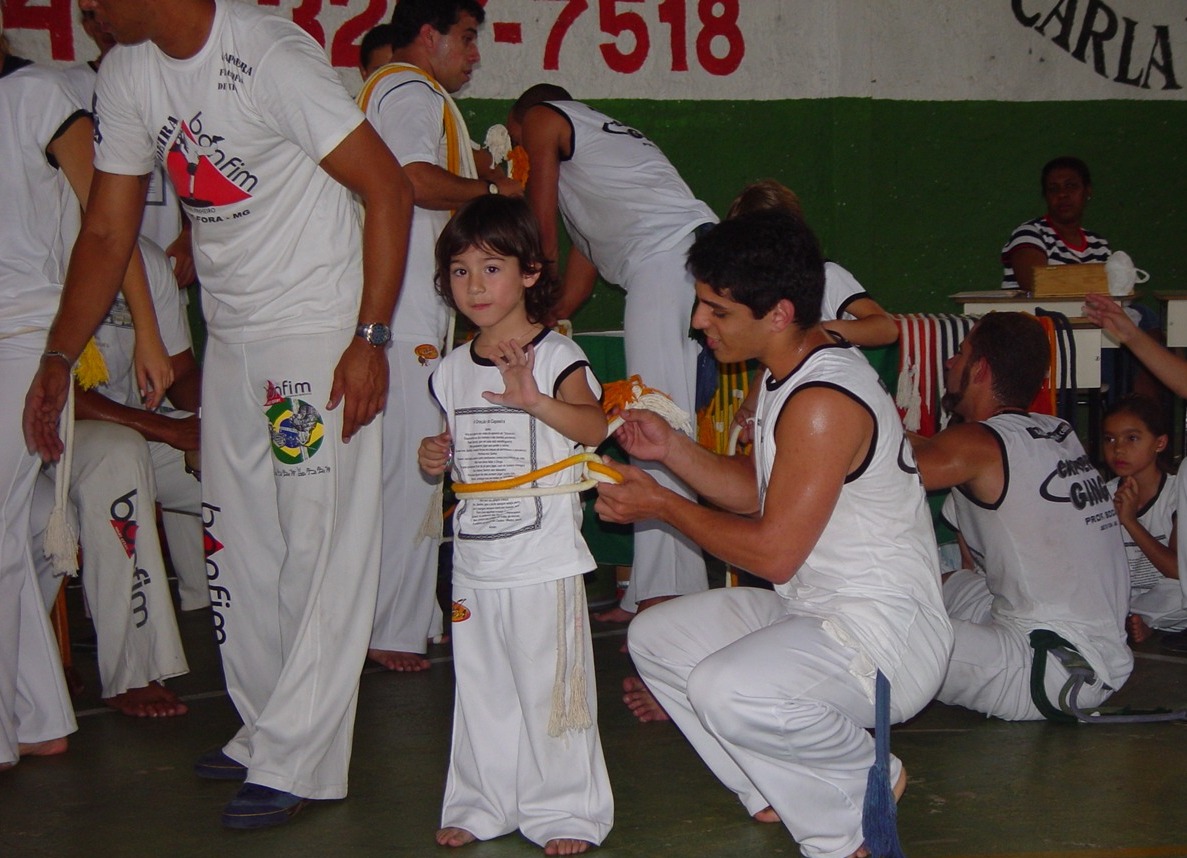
[291, 513]
[627, 209]
[1053, 559]
[161, 223]
[841, 289]
[520, 626]
[408, 112]
[117, 477]
[1155, 598]
[775, 689]
[38, 221]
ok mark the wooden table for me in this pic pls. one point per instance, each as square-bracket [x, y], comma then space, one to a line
[1174, 318]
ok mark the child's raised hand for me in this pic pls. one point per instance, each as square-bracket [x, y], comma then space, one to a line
[436, 453]
[1125, 500]
[515, 364]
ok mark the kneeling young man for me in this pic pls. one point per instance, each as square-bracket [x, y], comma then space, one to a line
[775, 689]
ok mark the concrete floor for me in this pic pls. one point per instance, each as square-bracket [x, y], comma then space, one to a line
[980, 788]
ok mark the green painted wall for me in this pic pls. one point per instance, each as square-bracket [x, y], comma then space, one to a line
[917, 198]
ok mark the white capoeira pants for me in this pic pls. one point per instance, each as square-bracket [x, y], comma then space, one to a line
[34, 703]
[991, 661]
[406, 613]
[656, 320]
[505, 771]
[292, 521]
[180, 497]
[114, 492]
[766, 698]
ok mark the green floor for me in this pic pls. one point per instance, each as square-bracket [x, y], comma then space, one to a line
[978, 787]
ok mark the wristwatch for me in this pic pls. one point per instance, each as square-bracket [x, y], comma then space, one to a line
[374, 334]
[492, 187]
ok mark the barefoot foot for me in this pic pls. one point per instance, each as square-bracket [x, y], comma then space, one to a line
[566, 846]
[401, 662]
[614, 615]
[454, 837]
[767, 815]
[48, 748]
[642, 703]
[1139, 632]
[149, 701]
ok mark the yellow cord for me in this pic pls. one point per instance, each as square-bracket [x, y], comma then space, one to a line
[592, 461]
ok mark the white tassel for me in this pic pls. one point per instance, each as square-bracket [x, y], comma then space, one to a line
[577, 715]
[556, 716]
[61, 535]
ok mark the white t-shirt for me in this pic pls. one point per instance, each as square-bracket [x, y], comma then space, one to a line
[840, 290]
[39, 214]
[408, 113]
[241, 128]
[508, 542]
[621, 199]
[873, 573]
[162, 213]
[116, 338]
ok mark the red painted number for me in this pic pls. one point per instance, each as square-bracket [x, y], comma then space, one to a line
[305, 17]
[552, 48]
[615, 23]
[53, 18]
[671, 12]
[719, 19]
[344, 49]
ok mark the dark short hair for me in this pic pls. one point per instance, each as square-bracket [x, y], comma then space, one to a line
[376, 38]
[759, 259]
[411, 15]
[1150, 412]
[538, 94]
[504, 225]
[1016, 348]
[1065, 162]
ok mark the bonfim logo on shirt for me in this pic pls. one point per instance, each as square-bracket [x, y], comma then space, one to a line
[203, 173]
[295, 425]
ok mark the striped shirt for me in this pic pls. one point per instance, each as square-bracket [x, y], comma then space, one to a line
[1040, 234]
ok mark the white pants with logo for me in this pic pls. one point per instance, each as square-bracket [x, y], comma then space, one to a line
[292, 518]
[505, 771]
[114, 492]
[656, 320]
[34, 703]
[766, 698]
[406, 612]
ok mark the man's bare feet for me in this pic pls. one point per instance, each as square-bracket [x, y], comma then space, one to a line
[454, 837]
[642, 703]
[900, 787]
[149, 701]
[614, 615]
[566, 846]
[401, 662]
[644, 604]
[1137, 628]
[767, 815]
[48, 748]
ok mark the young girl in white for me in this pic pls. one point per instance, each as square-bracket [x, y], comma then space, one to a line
[526, 752]
[1134, 442]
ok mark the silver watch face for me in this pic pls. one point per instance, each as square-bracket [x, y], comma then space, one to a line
[375, 334]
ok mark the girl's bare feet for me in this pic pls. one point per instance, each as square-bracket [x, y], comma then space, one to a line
[454, 837]
[566, 846]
